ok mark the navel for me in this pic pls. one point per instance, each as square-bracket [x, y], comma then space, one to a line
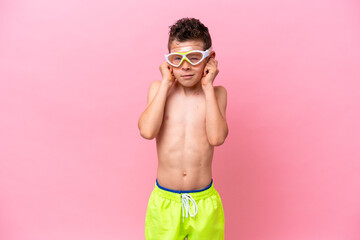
[184, 174]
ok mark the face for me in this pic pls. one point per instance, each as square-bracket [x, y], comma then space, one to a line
[187, 74]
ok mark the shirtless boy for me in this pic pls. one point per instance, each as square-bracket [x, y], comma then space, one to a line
[186, 114]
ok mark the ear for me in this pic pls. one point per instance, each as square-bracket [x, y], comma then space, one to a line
[211, 55]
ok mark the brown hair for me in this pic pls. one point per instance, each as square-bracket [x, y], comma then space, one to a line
[189, 29]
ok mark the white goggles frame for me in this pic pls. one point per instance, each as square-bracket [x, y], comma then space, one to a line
[183, 54]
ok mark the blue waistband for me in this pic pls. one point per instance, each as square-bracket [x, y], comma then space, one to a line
[189, 191]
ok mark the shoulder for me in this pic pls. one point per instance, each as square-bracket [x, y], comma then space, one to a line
[153, 89]
[154, 86]
[220, 91]
[221, 97]
[155, 83]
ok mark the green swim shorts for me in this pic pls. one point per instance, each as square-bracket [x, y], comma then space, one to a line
[174, 215]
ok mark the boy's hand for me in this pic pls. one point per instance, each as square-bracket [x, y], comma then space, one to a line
[167, 73]
[210, 72]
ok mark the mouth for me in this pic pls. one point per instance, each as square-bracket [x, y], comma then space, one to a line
[187, 76]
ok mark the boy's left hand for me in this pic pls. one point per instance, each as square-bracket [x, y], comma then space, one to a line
[210, 72]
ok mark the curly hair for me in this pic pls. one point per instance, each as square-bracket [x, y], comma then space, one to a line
[189, 29]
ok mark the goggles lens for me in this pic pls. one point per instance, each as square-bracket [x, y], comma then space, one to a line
[194, 58]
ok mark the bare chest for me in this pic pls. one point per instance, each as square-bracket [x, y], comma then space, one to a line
[185, 113]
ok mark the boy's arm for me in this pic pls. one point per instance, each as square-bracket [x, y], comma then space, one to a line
[216, 126]
[151, 119]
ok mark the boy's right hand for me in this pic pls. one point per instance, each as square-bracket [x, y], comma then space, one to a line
[167, 73]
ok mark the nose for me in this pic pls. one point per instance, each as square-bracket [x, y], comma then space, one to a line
[185, 65]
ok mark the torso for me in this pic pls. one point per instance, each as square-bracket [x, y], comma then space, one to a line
[184, 153]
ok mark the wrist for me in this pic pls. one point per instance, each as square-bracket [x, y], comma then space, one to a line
[207, 87]
[166, 83]
[208, 90]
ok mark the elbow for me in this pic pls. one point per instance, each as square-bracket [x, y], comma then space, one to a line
[216, 143]
[219, 140]
[147, 135]
[143, 133]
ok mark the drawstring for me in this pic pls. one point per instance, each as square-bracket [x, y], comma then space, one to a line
[185, 205]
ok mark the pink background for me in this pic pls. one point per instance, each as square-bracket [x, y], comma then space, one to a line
[74, 79]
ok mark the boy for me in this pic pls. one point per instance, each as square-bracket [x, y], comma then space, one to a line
[186, 115]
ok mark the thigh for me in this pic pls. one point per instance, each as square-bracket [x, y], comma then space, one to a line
[210, 224]
[162, 219]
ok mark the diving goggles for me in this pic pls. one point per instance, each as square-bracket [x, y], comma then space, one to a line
[194, 57]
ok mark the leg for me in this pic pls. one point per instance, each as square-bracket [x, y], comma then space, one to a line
[210, 221]
[163, 219]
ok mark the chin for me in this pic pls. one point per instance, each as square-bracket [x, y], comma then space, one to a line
[188, 83]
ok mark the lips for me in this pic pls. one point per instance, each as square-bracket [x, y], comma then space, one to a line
[188, 75]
